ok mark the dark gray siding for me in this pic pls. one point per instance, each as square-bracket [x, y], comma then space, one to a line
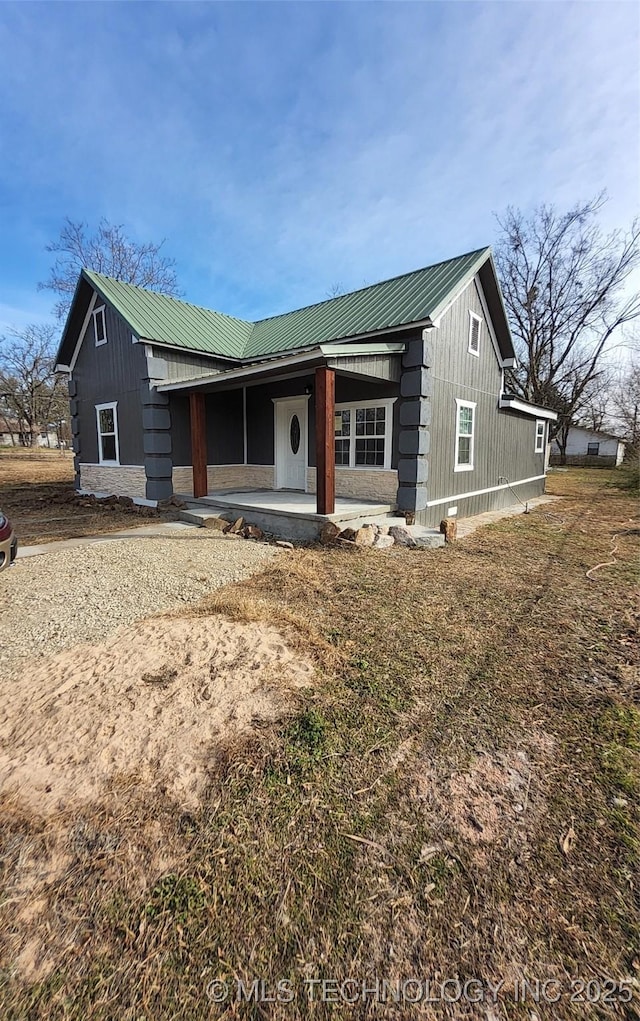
[504, 441]
[225, 443]
[111, 372]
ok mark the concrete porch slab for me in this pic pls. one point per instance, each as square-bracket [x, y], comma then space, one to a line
[284, 501]
[286, 514]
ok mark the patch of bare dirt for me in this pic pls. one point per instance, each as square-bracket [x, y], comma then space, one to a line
[495, 800]
[149, 703]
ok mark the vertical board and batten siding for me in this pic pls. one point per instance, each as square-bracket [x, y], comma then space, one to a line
[110, 372]
[225, 441]
[180, 365]
[504, 442]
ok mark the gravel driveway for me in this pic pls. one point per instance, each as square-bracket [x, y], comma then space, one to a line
[80, 595]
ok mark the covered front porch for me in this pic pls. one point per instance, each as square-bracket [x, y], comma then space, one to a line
[278, 437]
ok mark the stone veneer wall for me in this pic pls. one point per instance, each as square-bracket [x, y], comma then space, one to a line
[362, 484]
[226, 476]
[123, 480]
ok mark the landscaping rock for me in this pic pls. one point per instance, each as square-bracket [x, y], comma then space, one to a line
[214, 522]
[235, 527]
[365, 536]
[383, 541]
[252, 532]
[348, 534]
[401, 536]
[449, 528]
[329, 533]
[283, 544]
[125, 501]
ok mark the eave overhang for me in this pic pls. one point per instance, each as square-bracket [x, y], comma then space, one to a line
[509, 403]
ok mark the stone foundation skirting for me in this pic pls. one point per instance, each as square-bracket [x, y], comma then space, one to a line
[120, 480]
[226, 476]
[362, 484]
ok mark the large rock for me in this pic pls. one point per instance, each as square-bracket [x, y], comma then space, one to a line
[401, 536]
[365, 536]
[236, 526]
[348, 534]
[449, 528]
[383, 541]
[329, 533]
[214, 522]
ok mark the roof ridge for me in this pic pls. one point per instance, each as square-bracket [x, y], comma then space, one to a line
[368, 287]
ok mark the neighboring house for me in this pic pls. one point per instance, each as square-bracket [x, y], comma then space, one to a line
[11, 436]
[392, 395]
[589, 448]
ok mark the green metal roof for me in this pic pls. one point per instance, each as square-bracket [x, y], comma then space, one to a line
[165, 320]
[400, 301]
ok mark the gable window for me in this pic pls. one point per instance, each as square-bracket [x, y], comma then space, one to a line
[475, 325]
[593, 449]
[363, 433]
[540, 436]
[99, 326]
[465, 435]
[108, 444]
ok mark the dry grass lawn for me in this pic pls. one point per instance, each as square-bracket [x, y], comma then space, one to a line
[457, 797]
[37, 494]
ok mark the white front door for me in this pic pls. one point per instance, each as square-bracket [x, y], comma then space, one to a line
[291, 443]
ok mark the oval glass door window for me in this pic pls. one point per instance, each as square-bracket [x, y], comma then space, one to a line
[294, 434]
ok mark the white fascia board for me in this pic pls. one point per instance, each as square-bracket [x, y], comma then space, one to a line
[447, 302]
[514, 404]
[83, 331]
[353, 350]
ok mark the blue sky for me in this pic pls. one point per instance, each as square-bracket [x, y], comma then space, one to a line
[284, 147]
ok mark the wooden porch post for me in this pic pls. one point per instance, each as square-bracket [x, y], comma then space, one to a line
[197, 418]
[325, 440]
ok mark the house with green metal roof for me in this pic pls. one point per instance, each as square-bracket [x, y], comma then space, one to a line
[388, 400]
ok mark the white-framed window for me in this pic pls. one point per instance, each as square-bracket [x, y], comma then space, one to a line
[475, 326]
[364, 431]
[541, 428]
[593, 449]
[465, 435]
[108, 443]
[99, 326]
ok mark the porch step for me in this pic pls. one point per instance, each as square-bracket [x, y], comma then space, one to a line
[196, 515]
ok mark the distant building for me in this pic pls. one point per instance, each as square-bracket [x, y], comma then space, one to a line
[11, 435]
[589, 448]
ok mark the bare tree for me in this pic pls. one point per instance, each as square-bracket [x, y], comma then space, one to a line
[107, 251]
[625, 406]
[564, 284]
[30, 389]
